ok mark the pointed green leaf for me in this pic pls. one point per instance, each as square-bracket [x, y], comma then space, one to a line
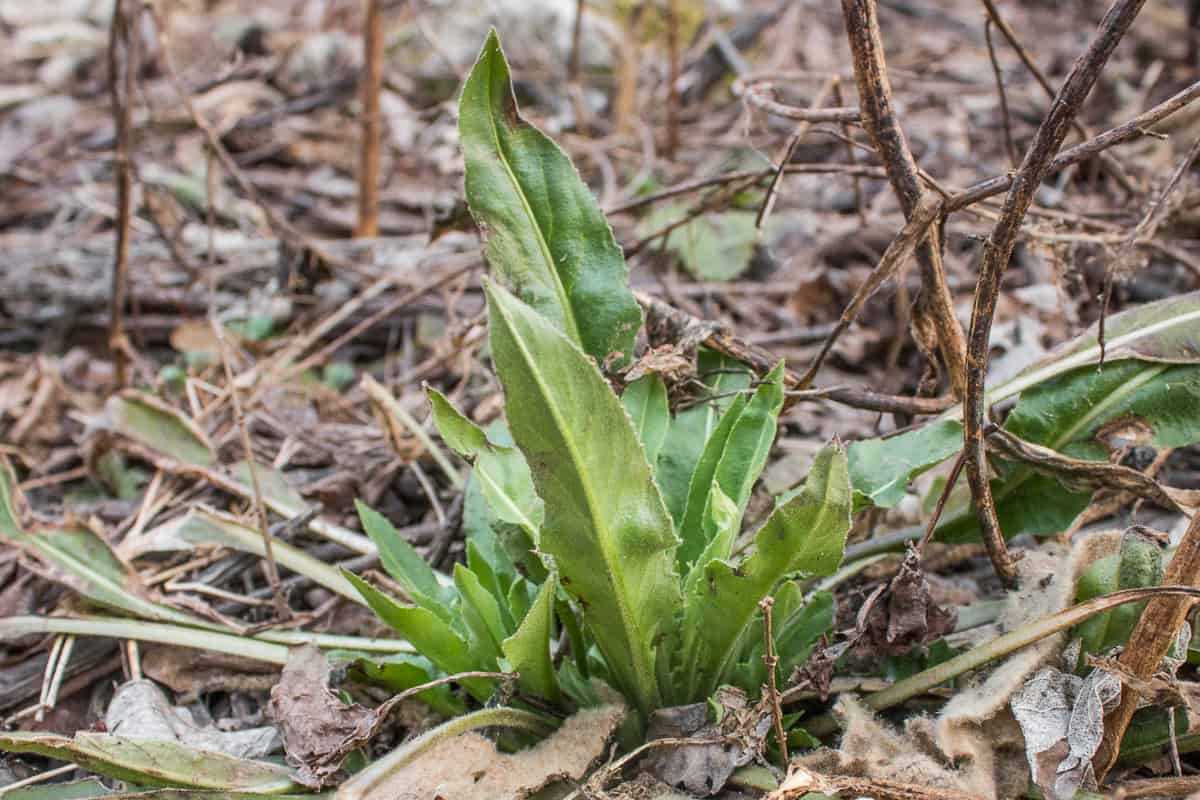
[805, 534]
[547, 239]
[606, 526]
[691, 429]
[691, 522]
[464, 437]
[404, 563]
[481, 615]
[646, 401]
[501, 471]
[734, 460]
[429, 634]
[528, 650]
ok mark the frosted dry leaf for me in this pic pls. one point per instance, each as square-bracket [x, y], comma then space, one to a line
[141, 710]
[469, 767]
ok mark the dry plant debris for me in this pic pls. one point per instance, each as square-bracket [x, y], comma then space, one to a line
[237, 246]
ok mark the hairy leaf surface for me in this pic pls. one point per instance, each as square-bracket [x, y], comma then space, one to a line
[606, 526]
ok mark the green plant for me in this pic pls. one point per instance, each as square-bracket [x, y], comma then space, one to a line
[600, 515]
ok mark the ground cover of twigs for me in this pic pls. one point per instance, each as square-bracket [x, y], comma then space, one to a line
[505, 399]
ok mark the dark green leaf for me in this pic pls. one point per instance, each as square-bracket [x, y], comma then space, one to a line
[547, 239]
[880, 469]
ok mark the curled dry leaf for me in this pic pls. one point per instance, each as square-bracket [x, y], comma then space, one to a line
[141, 710]
[318, 729]
[1061, 716]
[720, 747]
[905, 615]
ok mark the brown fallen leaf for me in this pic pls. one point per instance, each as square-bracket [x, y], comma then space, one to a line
[703, 767]
[469, 767]
[316, 726]
[905, 615]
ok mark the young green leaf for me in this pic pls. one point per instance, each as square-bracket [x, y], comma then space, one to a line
[691, 429]
[481, 616]
[646, 401]
[501, 471]
[734, 462]
[547, 239]
[806, 533]
[606, 526]
[464, 437]
[528, 650]
[431, 635]
[405, 564]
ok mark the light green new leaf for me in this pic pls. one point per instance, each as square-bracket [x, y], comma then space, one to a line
[149, 763]
[734, 457]
[481, 616]
[881, 468]
[528, 650]
[691, 429]
[646, 401]
[501, 471]
[547, 239]
[405, 564]
[464, 437]
[432, 636]
[806, 533]
[606, 526]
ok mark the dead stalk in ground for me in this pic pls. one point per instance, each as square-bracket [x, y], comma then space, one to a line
[997, 252]
[882, 126]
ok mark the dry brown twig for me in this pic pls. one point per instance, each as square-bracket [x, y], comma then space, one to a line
[882, 126]
[1110, 164]
[997, 251]
[898, 251]
[771, 662]
[121, 89]
[372, 123]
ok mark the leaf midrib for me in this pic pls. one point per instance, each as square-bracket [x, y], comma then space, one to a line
[543, 245]
[611, 563]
